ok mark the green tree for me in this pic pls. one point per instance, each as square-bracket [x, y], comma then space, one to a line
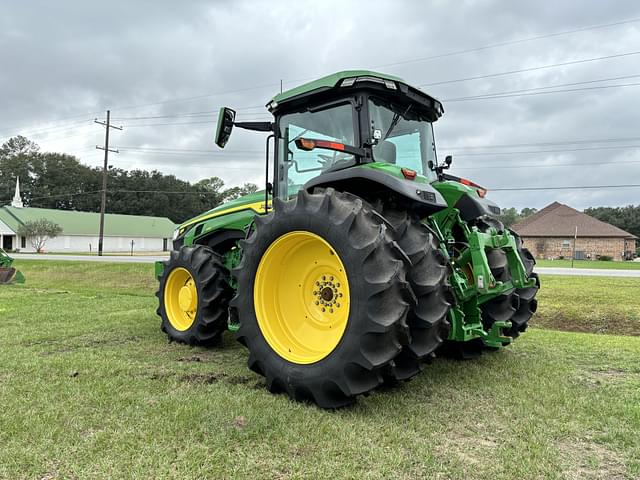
[39, 231]
[627, 218]
[527, 212]
[237, 192]
[509, 216]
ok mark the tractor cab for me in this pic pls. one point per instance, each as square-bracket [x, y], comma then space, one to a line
[345, 120]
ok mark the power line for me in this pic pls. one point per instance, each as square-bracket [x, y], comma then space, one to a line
[529, 69]
[572, 187]
[529, 152]
[46, 131]
[483, 167]
[508, 42]
[212, 123]
[564, 142]
[489, 97]
[180, 192]
[523, 90]
[189, 114]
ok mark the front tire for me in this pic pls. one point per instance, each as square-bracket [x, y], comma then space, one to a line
[194, 296]
[322, 298]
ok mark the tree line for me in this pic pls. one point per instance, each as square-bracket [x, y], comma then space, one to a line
[627, 218]
[60, 181]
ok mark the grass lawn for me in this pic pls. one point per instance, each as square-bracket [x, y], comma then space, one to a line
[90, 388]
[589, 304]
[589, 264]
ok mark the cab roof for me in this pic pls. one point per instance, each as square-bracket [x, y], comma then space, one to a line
[353, 78]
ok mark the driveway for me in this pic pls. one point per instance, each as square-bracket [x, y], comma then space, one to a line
[588, 272]
[91, 258]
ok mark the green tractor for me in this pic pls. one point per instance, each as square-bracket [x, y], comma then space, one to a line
[362, 258]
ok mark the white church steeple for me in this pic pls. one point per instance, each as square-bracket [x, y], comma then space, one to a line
[17, 199]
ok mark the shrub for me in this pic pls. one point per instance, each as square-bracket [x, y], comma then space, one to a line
[605, 258]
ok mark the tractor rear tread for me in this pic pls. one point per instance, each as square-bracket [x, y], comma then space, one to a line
[428, 276]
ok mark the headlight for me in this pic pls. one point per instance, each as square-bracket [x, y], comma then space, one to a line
[176, 232]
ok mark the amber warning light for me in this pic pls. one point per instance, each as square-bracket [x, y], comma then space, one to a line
[481, 190]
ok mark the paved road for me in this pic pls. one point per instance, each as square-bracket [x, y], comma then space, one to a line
[588, 272]
[90, 258]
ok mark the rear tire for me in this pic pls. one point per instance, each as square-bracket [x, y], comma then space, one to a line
[428, 275]
[527, 302]
[194, 296]
[336, 231]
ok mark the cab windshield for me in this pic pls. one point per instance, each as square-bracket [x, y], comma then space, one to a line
[404, 138]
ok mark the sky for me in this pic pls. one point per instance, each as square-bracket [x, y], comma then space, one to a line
[163, 68]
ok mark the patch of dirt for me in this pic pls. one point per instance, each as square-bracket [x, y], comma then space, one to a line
[210, 378]
[613, 323]
[159, 375]
[202, 378]
[596, 378]
[469, 448]
[192, 358]
[86, 343]
[238, 380]
[240, 422]
[587, 460]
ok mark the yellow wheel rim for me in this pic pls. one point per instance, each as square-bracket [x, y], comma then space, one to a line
[181, 299]
[301, 297]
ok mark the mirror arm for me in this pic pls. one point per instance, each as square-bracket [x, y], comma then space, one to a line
[256, 126]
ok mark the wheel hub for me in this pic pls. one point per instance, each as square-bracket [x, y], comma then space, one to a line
[327, 293]
[186, 299]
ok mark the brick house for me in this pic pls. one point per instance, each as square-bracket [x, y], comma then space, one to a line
[550, 233]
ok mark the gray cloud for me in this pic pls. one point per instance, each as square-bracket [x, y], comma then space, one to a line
[64, 63]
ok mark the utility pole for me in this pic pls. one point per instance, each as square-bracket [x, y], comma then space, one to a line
[573, 253]
[106, 149]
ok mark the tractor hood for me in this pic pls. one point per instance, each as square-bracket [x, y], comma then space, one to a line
[253, 201]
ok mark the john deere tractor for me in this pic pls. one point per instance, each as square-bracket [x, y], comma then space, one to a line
[362, 258]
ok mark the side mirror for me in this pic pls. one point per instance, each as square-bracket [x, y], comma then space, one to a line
[448, 160]
[226, 117]
[430, 164]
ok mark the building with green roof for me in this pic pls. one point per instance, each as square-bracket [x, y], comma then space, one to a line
[80, 230]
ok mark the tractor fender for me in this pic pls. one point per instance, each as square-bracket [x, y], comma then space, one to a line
[471, 207]
[370, 184]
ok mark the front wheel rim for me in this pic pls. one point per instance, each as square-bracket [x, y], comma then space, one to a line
[181, 299]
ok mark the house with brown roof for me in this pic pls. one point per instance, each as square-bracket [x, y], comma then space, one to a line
[550, 233]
